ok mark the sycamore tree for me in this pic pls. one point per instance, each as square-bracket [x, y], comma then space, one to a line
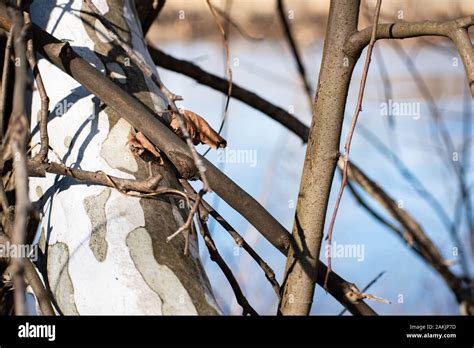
[97, 159]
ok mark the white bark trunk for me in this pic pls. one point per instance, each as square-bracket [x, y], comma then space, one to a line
[106, 253]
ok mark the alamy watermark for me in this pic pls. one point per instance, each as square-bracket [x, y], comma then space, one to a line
[9, 250]
[237, 156]
[28, 330]
[403, 109]
[354, 251]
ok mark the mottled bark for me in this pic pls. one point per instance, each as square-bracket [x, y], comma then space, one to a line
[105, 252]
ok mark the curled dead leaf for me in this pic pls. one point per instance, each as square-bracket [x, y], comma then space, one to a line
[199, 130]
[139, 143]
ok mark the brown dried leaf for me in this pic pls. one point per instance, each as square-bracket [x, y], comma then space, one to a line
[139, 143]
[199, 130]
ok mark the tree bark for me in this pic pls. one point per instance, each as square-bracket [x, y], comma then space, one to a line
[320, 161]
[105, 252]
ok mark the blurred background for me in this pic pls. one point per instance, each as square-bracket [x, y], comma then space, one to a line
[424, 74]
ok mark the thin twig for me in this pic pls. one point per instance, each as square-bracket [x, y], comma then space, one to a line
[189, 220]
[42, 296]
[239, 240]
[3, 197]
[424, 245]
[142, 189]
[242, 31]
[44, 110]
[33, 279]
[3, 105]
[347, 145]
[447, 140]
[367, 287]
[216, 257]
[5, 80]
[246, 96]
[294, 50]
[227, 63]
[420, 189]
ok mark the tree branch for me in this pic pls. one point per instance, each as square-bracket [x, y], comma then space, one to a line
[239, 240]
[195, 72]
[321, 156]
[294, 50]
[44, 110]
[16, 139]
[216, 257]
[148, 11]
[144, 189]
[347, 145]
[34, 281]
[424, 245]
[5, 80]
[456, 30]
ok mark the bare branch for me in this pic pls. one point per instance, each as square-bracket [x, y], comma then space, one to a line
[456, 30]
[347, 146]
[33, 279]
[189, 69]
[367, 287]
[425, 246]
[5, 81]
[41, 294]
[44, 110]
[239, 240]
[242, 31]
[227, 61]
[216, 257]
[145, 189]
[16, 138]
[148, 11]
[294, 50]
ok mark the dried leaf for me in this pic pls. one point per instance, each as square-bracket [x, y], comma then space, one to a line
[199, 130]
[140, 143]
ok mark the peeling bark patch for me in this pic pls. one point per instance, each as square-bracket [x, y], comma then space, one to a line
[116, 141]
[159, 278]
[189, 270]
[39, 191]
[95, 208]
[59, 278]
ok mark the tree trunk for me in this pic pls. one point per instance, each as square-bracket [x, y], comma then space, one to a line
[321, 157]
[105, 252]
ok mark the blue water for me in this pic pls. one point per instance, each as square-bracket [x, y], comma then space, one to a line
[267, 69]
